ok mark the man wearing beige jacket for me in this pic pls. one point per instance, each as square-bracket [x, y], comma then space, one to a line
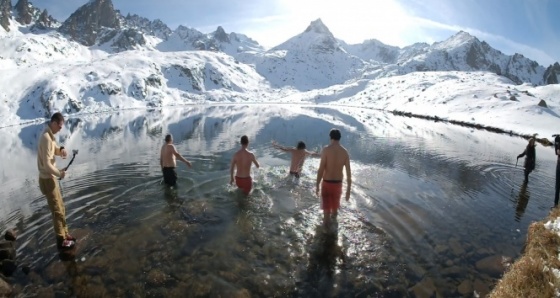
[48, 174]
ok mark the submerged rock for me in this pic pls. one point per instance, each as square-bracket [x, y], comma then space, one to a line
[5, 288]
[425, 289]
[492, 265]
[10, 235]
[456, 247]
[8, 267]
[7, 250]
[465, 288]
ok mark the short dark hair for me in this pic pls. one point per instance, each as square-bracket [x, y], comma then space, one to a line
[335, 134]
[244, 140]
[57, 117]
[168, 138]
[300, 145]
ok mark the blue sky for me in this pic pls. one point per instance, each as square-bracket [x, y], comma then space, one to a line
[529, 27]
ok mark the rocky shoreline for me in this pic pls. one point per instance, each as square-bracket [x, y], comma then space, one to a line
[8, 263]
[535, 272]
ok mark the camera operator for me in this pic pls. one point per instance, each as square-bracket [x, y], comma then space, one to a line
[557, 152]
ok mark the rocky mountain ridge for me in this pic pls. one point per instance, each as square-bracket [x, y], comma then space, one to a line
[313, 59]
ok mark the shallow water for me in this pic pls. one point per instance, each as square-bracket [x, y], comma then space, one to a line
[434, 207]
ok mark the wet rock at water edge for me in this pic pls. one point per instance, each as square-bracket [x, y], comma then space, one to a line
[55, 271]
[455, 271]
[425, 289]
[26, 269]
[10, 235]
[156, 278]
[481, 288]
[7, 257]
[465, 288]
[5, 289]
[8, 267]
[492, 265]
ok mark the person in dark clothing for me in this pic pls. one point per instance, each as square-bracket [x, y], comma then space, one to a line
[557, 152]
[530, 159]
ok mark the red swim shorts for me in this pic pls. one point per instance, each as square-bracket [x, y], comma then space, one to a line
[245, 183]
[330, 195]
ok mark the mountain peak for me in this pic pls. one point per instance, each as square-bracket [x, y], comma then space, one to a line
[463, 37]
[458, 40]
[5, 14]
[318, 26]
[85, 24]
[221, 35]
[26, 12]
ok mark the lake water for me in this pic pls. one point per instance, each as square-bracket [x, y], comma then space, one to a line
[434, 207]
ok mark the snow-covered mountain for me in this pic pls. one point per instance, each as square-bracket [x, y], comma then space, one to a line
[465, 52]
[185, 38]
[99, 60]
[92, 23]
[374, 51]
[155, 28]
[310, 60]
[460, 52]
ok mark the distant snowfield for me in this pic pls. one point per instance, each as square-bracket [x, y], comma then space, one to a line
[44, 73]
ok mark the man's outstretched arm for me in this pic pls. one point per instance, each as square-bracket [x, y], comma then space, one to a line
[280, 147]
[314, 154]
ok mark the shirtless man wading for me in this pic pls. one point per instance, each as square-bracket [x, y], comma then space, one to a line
[334, 157]
[299, 154]
[168, 163]
[242, 160]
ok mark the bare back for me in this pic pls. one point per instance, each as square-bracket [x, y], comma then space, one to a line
[168, 156]
[298, 157]
[242, 160]
[333, 159]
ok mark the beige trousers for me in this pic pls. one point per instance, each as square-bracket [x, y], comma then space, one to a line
[50, 189]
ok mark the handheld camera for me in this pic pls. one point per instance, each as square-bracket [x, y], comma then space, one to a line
[74, 153]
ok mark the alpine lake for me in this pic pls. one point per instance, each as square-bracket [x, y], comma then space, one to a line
[436, 210]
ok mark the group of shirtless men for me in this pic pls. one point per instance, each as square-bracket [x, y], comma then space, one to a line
[334, 158]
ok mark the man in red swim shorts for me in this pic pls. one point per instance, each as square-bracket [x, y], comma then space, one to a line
[334, 157]
[242, 160]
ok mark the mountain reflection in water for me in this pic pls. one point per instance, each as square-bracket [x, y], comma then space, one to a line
[432, 205]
